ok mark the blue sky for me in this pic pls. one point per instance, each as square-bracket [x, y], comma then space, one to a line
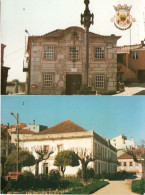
[42, 16]
[107, 115]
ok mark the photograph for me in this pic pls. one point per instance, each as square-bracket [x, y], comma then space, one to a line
[73, 144]
[73, 47]
[72, 97]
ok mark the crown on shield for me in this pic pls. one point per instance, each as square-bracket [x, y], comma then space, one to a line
[124, 7]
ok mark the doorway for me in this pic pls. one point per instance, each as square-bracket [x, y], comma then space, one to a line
[73, 83]
[141, 76]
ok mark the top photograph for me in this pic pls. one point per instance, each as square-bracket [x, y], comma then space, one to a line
[73, 47]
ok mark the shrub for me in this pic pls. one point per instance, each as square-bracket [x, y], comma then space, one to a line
[89, 189]
[89, 173]
[54, 178]
[3, 185]
[26, 180]
[138, 186]
[42, 181]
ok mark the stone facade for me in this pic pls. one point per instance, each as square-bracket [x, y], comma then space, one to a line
[68, 74]
[80, 140]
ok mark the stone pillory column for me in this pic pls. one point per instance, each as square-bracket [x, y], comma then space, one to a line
[87, 19]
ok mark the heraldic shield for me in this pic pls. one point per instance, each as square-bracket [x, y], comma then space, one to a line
[123, 20]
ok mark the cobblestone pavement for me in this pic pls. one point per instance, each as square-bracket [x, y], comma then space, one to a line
[117, 187]
[133, 89]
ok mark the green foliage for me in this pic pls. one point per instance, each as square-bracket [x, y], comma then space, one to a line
[73, 182]
[25, 159]
[54, 178]
[26, 180]
[138, 186]
[3, 183]
[66, 158]
[90, 188]
[89, 173]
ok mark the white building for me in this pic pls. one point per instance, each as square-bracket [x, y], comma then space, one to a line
[68, 135]
[121, 142]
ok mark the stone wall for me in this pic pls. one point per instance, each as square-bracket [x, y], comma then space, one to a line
[61, 65]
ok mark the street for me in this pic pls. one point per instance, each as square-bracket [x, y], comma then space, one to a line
[117, 187]
[133, 89]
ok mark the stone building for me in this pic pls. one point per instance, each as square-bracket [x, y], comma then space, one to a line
[68, 135]
[56, 63]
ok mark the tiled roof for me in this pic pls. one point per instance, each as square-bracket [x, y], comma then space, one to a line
[127, 156]
[3, 126]
[55, 33]
[127, 48]
[64, 127]
[59, 32]
[21, 125]
[25, 131]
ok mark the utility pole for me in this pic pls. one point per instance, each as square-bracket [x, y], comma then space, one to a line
[87, 19]
[17, 142]
[7, 151]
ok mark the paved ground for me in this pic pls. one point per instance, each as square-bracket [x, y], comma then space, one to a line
[133, 89]
[117, 187]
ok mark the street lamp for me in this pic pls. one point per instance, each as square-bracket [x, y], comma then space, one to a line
[87, 19]
[17, 119]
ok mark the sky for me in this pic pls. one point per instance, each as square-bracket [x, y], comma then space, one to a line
[42, 16]
[108, 116]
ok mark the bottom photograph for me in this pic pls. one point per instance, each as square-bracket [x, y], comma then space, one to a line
[72, 145]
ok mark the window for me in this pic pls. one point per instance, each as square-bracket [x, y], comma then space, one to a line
[99, 53]
[119, 163]
[134, 55]
[124, 163]
[49, 53]
[48, 80]
[99, 81]
[130, 163]
[74, 53]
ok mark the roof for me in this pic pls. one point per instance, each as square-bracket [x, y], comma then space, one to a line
[63, 127]
[24, 131]
[127, 156]
[21, 125]
[59, 32]
[127, 48]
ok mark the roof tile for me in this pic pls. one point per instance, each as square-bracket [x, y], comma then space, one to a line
[63, 127]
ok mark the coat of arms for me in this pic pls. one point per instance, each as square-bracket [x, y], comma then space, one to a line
[123, 20]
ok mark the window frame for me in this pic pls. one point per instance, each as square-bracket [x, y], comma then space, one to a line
[77, 52]
[52, 80]
[95, 52]
[97, 75]
[134, 55]
[49, 52]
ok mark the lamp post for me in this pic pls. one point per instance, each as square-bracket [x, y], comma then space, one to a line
[17, 119]
[87, 19]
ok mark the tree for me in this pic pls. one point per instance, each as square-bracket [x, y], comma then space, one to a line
[85, 158]
[25, 159]
[43, 153]
[138, 155]
[66, 158]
